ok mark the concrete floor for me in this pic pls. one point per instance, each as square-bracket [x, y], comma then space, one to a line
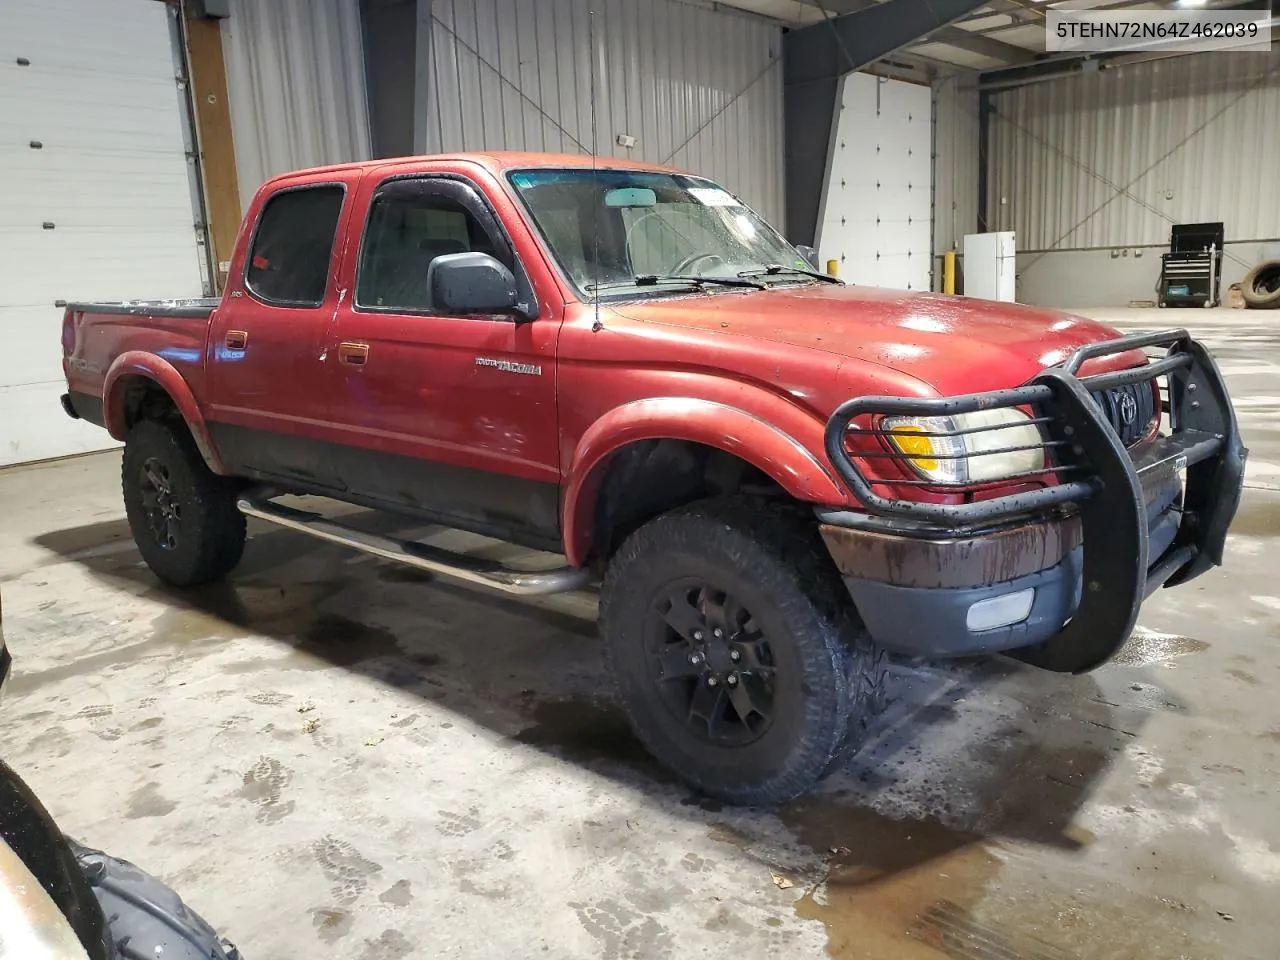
[331, 756]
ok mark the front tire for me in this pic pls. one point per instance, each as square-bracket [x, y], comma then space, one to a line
[736, 652]
[183, 516]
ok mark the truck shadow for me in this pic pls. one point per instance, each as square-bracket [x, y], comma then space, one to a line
[968, 755]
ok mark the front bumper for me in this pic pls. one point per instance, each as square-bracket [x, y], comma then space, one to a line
[1118, 523]
[941, 597]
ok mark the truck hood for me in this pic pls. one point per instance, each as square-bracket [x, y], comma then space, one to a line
[953, 344]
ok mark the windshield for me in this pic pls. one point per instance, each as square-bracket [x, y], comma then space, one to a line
[620, 233]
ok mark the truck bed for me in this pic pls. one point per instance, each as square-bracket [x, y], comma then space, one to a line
[196, 307]
[95, 335]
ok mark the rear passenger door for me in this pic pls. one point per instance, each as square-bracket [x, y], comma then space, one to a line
[449, 416]
[268, 385]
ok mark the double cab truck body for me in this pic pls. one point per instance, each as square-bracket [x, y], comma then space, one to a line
[778, 477]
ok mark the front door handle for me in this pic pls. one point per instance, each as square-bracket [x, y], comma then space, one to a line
[355, 354]
[236, 339]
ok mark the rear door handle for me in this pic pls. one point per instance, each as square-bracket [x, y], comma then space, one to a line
[354, 354]
[236, 339]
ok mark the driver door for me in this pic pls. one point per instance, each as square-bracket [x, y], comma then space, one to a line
[452, 417]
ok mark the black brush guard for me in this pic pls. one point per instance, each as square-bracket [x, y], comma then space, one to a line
[1095, 475]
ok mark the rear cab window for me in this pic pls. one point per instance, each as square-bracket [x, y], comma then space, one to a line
[292, 246]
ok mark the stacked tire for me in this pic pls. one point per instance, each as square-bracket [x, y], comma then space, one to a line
[1261, 286]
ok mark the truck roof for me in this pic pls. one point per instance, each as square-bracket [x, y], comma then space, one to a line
[495, 161]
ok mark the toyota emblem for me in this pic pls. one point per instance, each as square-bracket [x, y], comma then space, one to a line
[1128, 409]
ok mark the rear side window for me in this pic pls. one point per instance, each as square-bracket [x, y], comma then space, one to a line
[289, 261]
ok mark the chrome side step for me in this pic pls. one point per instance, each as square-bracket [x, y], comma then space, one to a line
[485, 573]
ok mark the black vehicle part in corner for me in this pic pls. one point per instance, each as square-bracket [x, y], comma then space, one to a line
[117, 911]
[146, 919]
[31, 833]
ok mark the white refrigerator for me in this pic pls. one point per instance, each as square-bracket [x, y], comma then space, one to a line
[989, 265]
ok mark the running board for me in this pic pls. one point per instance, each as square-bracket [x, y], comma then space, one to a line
[485, 573]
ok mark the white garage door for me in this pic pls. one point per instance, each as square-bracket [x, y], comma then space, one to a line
[878, 206]
[95, 200]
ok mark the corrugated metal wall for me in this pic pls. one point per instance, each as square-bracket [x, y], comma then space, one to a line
[1186, 139]
[698, 88]
[295, 79]
[955, 166]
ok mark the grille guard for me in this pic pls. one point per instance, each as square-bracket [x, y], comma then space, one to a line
[1098, 477]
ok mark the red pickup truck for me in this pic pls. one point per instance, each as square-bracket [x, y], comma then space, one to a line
[778, 477]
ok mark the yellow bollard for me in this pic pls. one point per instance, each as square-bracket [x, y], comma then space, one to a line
[833, 268]
[949, 272]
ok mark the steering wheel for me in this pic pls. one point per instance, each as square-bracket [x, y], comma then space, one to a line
[685, 266]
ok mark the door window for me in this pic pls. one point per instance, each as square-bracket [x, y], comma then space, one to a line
[293, 245]
[411, 223]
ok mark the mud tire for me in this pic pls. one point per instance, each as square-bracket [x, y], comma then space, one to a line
[829, 677]
[197, 535]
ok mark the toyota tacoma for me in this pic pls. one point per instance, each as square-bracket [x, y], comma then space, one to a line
[775, 476]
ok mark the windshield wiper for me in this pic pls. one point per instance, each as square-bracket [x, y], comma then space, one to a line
[773, 269]
[651, 279]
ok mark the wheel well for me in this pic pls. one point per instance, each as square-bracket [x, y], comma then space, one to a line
[650, 477]
[141, 398]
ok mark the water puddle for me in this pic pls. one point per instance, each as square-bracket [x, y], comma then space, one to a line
[1145, 647]
[921, 890]
[896, 888]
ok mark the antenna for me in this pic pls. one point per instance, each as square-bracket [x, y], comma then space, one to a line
[596, 326]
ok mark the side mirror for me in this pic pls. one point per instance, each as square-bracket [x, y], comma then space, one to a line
[810, 255]
[471, 283]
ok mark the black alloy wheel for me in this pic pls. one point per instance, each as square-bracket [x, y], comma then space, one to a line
[164, 512]
[712, 663]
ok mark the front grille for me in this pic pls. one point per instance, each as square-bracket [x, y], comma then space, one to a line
[1129, 409]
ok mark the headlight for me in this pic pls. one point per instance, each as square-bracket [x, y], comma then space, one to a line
[959, 449]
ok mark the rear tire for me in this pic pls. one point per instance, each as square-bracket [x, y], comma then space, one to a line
[183, 516]
[760, 712]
